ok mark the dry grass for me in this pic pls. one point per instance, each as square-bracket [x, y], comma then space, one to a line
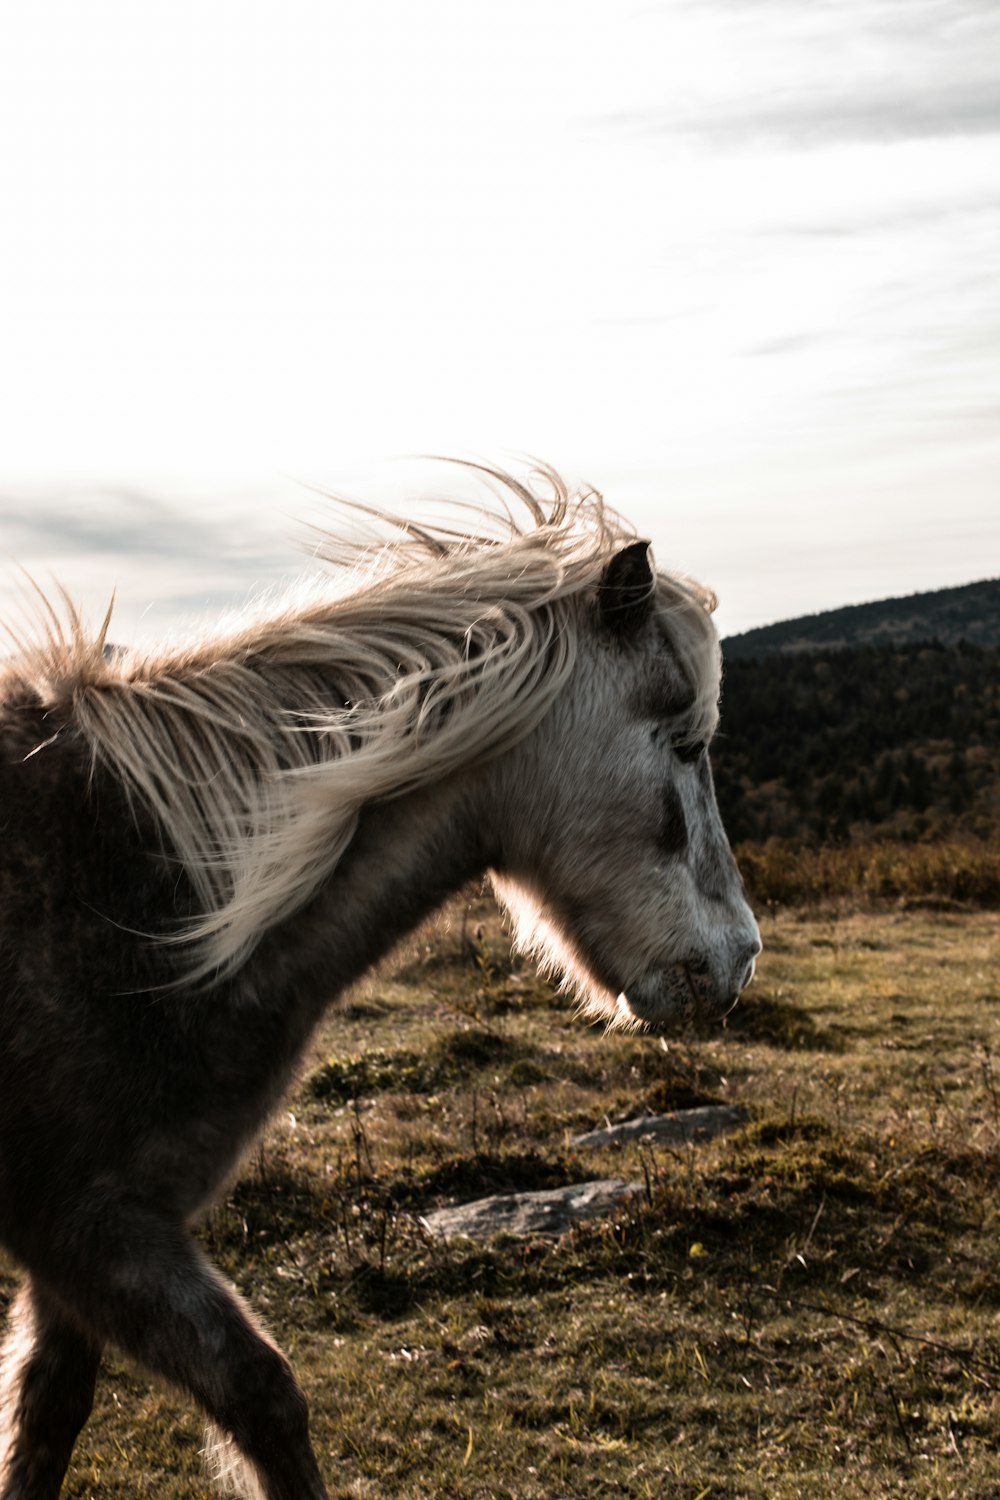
[789, 874]
[810, 1307]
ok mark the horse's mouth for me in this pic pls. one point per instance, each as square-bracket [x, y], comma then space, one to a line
[674, 996]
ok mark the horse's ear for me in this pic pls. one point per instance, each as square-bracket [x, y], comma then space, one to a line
[625, 594]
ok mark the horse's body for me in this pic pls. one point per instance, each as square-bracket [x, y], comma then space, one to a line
[142, 802]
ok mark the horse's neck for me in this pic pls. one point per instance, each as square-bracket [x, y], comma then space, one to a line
[408, 855]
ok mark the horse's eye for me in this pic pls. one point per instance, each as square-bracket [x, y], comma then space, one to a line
[687, 753]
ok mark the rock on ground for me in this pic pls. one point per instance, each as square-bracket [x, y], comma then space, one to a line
[548, 1213]
[683, 1125]
[552, 1212]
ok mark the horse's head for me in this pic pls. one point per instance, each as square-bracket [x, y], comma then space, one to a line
[615, 864]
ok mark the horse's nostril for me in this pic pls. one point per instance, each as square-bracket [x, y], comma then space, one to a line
[750, 963]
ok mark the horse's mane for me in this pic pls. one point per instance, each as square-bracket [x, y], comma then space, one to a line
[255, 751]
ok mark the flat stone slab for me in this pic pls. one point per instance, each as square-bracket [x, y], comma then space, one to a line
[549, 1213]
[678, 1128]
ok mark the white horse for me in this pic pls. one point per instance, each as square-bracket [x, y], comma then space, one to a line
[203, 847]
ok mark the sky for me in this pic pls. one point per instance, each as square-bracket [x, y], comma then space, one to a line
[733, 261]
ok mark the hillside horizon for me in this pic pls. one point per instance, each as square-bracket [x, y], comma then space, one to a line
[967, 612]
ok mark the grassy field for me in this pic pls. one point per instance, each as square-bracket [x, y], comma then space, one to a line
[810, 1307]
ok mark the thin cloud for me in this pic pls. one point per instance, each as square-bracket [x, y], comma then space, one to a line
[826, 74]
[960, 213]
[794, 343]
[115, 522]
[872, 115]
[69, 531]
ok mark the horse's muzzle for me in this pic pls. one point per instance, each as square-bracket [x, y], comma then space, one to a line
[695, 990]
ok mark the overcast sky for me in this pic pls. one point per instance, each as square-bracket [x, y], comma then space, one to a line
[734, 261]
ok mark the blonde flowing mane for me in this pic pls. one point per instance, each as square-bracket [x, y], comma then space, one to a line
[255, 752]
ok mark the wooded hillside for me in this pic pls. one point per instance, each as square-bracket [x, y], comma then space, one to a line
[861, 742]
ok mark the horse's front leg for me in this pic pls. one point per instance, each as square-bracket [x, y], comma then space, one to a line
[150, 1291]
[47, 1372]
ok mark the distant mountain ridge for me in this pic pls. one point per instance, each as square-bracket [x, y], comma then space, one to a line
[969, 613]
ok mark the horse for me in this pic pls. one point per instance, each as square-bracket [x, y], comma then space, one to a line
[205, 845]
